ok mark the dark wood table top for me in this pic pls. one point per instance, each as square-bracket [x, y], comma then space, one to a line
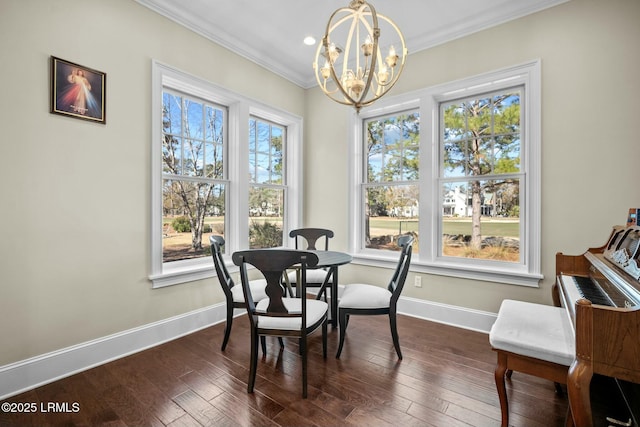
[331, 258]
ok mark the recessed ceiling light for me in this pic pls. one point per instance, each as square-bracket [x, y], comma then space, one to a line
[309, 40]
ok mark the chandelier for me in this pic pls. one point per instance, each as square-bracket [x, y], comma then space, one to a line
[355, 71]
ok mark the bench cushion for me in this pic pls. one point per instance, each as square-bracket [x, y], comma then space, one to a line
[535, 330]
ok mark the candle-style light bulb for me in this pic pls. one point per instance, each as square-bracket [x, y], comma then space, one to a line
[383, 74]
[325, 71]
[392, 58]
[367, 46]
[333, 53]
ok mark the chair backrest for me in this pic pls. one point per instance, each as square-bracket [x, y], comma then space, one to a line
[217, 242]
[272, 263]
[311, 235]
[402, 269]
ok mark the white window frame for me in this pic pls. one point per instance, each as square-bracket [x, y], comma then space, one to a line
[525, 273]
[240, 108]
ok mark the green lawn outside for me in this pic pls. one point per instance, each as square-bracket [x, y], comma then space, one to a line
[177, 245]
[496, 227]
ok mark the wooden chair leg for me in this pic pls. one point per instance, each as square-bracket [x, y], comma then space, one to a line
[281, 342]
[263, 344]
[303, 351]
[394, 334]
[227, 328]
[343, 320]
[254, 361]
[324, 338]
[501, 369]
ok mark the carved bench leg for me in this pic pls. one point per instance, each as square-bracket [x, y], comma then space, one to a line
[578, 385]
[500, 373]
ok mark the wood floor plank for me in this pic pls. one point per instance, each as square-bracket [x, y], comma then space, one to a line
[242, 413]
[202, 411]
[445, 379]
[146, 392]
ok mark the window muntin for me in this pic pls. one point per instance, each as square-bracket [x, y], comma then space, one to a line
[193, 189]
[267, 183]
[392, 146]
[480, 174]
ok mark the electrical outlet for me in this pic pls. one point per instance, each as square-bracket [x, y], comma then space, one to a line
[417, 281]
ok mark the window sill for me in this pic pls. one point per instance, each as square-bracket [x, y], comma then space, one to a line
[476, 272]
[183, 271]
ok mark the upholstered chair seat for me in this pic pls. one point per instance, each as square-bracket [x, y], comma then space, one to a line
[257, 290]
[359, 295]
[314, 277]
[316, 309]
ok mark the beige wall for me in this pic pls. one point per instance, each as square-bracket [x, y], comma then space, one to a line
[75, 212]
[75, 215]
[590, 56]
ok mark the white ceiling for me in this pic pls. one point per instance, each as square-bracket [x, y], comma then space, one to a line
[270, 32]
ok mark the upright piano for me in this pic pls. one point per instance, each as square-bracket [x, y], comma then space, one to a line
[600, 290]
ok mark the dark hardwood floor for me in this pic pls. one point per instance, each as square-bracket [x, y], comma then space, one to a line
[445, 379]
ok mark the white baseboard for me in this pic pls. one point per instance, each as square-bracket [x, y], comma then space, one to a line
[25, 375]
[460, 317]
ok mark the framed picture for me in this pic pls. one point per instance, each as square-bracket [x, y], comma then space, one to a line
[78, 91]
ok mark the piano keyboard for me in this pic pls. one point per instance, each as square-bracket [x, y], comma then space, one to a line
[589, 290]
[578, 287]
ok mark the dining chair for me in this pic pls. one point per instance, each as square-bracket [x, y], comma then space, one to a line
[312, 239]
[233, 294]
[276, 315]
[365, 299]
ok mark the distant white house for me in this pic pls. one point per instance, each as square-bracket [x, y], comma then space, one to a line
[407, 211]
[457, 203]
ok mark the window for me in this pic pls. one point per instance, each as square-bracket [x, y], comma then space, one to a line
[267, 184]
[202, 183]
[479, 142]
[390, 181]
[457, 165]
[193, 175]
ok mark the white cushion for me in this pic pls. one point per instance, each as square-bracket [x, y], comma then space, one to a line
[540, 331]
[315, 310]
[313, 276]
[257, 290]
[364, 296]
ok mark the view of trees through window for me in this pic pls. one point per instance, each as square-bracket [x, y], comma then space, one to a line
[480, 176]
[391, 184]
[193, 193]
[267, 179]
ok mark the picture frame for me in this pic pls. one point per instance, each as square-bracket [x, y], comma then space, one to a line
[78, 91]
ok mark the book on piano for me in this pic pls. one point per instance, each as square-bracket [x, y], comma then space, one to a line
[632, 218]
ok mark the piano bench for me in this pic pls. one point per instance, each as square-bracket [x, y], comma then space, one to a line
[534, 339]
